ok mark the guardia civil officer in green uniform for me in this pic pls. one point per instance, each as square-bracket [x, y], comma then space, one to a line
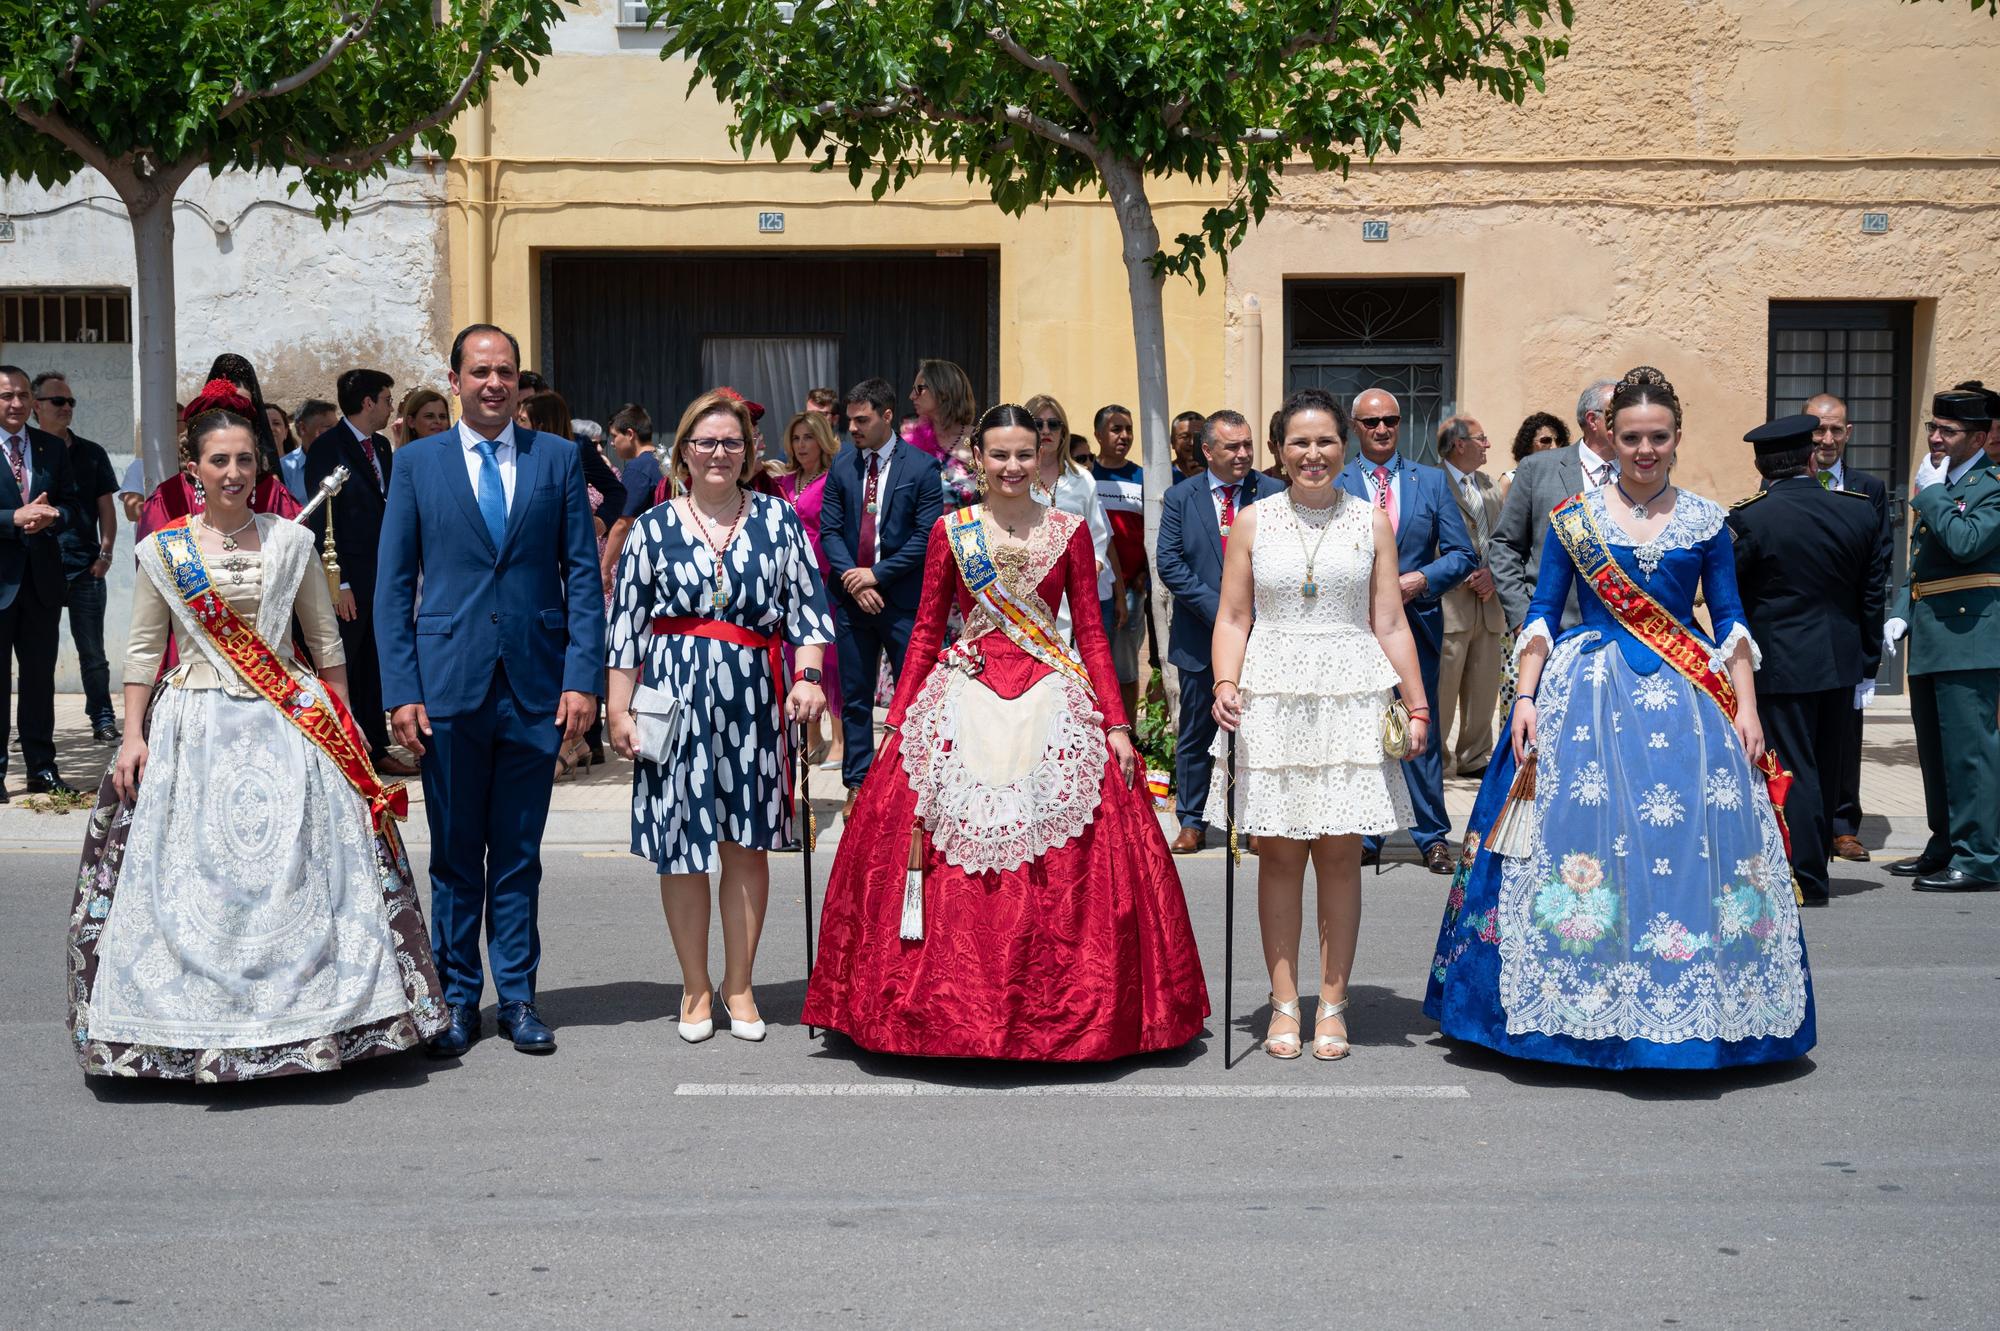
[1954, 629]
[1812, 570]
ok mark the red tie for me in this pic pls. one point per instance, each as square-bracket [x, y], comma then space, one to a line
[865, 556]
[1228, 514]
[368, 451]
[1382, 495]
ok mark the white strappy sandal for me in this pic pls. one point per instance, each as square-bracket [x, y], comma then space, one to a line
[1329, 1048]
[1283, 1046]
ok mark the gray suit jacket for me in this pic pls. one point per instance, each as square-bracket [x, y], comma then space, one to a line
[1542, 481]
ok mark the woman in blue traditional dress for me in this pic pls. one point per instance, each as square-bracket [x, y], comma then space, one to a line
[1628, 903]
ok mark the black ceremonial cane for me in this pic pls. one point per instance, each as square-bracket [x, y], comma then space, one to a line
[1229, 906]
[808, 833]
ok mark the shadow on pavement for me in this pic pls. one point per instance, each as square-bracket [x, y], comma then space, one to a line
[386, 1072]
[1638, 1084]
[998, 1074]
[1854, 887]
[1376, 1017]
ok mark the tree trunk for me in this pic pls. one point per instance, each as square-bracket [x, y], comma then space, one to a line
[152, 217]
[1149, 340]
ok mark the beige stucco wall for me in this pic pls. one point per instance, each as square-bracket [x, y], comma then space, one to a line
[1691, 162]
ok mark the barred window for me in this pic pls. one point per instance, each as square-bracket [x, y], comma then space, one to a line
[65, 316]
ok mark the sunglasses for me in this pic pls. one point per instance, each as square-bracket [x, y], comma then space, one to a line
[58, 401]
[1049, 425]
[1377, 422]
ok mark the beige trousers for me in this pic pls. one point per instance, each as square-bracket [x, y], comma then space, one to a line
[1468, 689]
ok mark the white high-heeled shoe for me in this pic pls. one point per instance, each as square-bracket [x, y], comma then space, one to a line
[694, 1032]
[752, 1031]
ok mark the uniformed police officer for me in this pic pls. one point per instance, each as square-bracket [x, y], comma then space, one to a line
[1953, 612]
[1812, 571]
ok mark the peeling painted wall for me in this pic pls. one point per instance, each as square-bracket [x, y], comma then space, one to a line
[303, 303]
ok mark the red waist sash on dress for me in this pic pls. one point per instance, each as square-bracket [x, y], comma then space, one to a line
[773, 647]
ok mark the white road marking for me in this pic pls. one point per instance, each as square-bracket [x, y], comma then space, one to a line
[1111, 1091]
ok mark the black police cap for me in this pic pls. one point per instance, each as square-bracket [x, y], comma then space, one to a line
[1782, 435]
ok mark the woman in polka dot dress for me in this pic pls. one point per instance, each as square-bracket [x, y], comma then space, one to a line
[710, 587]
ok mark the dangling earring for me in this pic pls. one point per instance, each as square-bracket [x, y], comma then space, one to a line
[979, 480]
[200, 494]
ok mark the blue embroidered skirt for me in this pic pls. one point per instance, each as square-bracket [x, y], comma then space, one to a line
[1653, 923]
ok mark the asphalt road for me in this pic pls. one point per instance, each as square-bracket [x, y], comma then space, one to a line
[620, 1184]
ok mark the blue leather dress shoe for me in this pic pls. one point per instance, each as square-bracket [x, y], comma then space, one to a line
[461, 1035]
[520, 1023]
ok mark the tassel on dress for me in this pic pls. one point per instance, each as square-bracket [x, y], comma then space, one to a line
[913, 888]
[1513, 832]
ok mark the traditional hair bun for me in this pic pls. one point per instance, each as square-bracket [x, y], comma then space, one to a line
[1643, 386]
[217, 395]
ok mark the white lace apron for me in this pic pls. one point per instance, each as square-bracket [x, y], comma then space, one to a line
[999, 781]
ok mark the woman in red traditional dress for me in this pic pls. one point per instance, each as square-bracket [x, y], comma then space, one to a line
[1003, 889]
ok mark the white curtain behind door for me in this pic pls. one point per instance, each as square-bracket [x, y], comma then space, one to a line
[774, 371]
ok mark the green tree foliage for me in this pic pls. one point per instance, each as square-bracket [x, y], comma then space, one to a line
[149, 91]
[1052, 97]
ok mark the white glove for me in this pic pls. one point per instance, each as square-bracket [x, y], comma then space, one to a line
[1864, 693]
[1892, 633]
[1933, 471]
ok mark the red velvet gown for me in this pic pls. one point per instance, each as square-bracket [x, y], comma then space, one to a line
[1083, 951]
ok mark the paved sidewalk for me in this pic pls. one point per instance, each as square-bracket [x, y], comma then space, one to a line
[593, 808]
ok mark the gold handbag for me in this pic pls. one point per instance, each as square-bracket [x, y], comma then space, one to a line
[1396, 741]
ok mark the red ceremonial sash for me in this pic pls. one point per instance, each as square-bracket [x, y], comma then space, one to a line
[773, 647]
[1653, 624]
[325, 723]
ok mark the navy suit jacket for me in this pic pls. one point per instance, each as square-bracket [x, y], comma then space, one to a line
[1430, 537]
[1189, 559]
[36, 558]
[357, 509]
[903, 521]
[533, 609]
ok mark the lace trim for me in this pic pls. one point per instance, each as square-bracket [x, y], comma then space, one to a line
[1718, 660]
[1693, 521]
[1536, 629]
[1023, 568]
[981, 827]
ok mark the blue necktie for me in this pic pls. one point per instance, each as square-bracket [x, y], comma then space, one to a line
[492, 494]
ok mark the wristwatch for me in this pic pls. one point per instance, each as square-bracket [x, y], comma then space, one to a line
[809, 675]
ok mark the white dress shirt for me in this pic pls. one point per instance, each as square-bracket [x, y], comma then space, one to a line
[888, 455]
[1597, 471]
[1956, 474]
[373, 450]
[503, 454]
[1394, 465]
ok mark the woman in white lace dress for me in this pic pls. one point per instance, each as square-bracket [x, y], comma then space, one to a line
[1309, 643]
[244, 907]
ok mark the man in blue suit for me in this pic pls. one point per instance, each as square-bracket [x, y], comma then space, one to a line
[488, 667]
[1194, 529]
[1434, 554]
[882, 499]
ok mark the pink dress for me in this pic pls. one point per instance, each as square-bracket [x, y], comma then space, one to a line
[807, 500]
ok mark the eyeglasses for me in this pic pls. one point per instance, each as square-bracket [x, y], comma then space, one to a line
[917, 388]
[1377, 422]
[58, 401]
[1049, 425]
[716, 445]
[1947, 430]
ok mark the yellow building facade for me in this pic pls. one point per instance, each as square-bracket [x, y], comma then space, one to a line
[1764, 198]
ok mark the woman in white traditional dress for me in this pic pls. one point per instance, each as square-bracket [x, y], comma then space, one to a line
[244, 907]
[1305, 684]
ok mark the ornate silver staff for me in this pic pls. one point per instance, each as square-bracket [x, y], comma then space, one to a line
[329, 556]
